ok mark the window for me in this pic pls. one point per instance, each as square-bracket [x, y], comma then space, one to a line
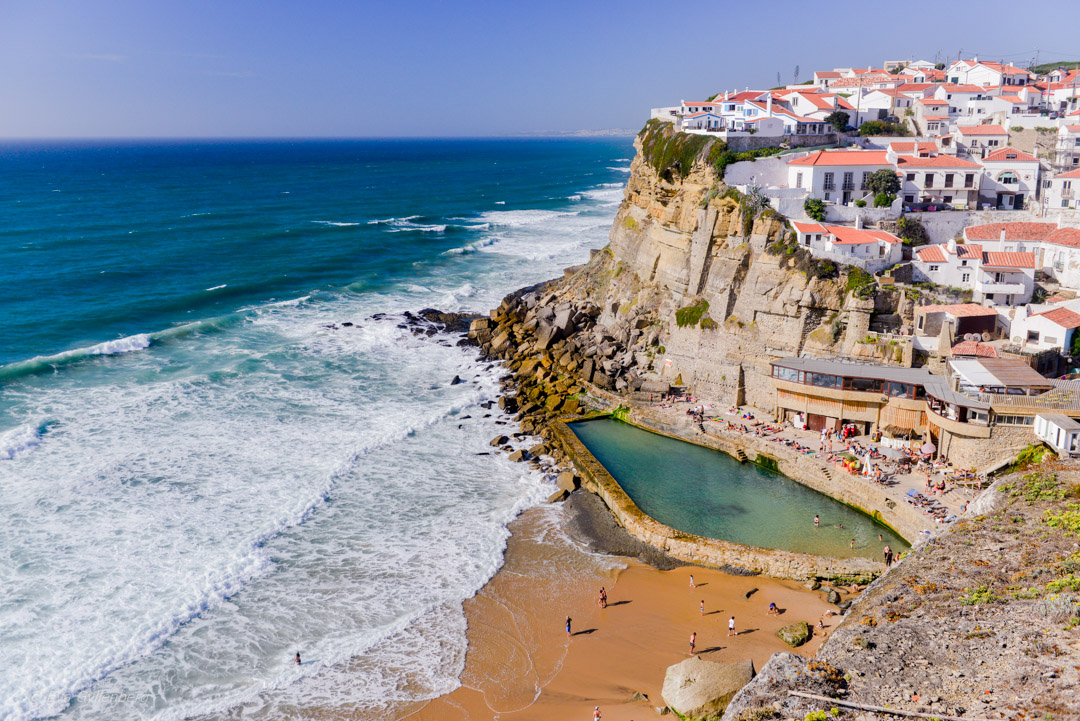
[911, 177]
[948, 180]
[933, 268]
[798, 180]
[969, 180]
[929, 180]
[830, 183]
[899, 389]
[786, 374]
[1014, 420]
[865, 177]
[965, 277]
[963, 262]
[1050, 340]
[992, 143]
[849, 181]
[824, 381]
[1033, 336]
[867, 385]
[909, 198]
[1008, 178]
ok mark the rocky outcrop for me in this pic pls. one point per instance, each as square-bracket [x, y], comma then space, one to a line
[699, 689]
[795, 634]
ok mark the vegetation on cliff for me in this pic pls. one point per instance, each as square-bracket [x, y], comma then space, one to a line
[668, 151]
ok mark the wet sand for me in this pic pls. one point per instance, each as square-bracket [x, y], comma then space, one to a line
[521, 665]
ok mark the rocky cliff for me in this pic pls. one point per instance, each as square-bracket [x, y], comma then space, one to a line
[697, 288]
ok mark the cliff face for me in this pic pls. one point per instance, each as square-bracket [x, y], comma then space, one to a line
[678, 242]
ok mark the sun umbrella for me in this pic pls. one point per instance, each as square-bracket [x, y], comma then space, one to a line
[928, 448]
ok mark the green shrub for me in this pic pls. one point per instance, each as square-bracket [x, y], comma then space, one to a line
[980, 596]
[816, 716]
[1070, 583]
[884, 181]
[860, 203]
[1067, 520]
[857, 278]
[815, 208]
[912, 232]
[721, 157]
[838, 119]
[1016, 129]
[667, 150]
[880, 127]
[883, 200]
[707, 323]
[691, 314]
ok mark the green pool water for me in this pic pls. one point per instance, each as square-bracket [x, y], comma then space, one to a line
[708, 493]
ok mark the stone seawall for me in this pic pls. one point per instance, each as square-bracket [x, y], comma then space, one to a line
[697, 549]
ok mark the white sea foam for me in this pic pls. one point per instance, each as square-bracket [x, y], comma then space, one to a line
[621, 169]
[574, 197]
[282, 483]
[335, 223]
[18, 441]
[500, 202]
[219, 287]
[386, 221]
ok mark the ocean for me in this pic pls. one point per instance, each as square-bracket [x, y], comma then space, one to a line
[204, 470]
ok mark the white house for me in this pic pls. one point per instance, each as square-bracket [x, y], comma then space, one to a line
[1010, 178]
[836, 175]
[1044, 329]
[1067, 148]
[870, 249]
[996, 278]
[1058, 431]
[978, 140]
[1057, 250]
[964, 100]
[1063, 190]
[939, 179]
[978, 72]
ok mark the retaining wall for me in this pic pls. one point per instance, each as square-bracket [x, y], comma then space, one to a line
[697, 549]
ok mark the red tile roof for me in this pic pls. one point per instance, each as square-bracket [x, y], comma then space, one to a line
[1070, 174]
[950, 88]
[1013, 231]
[998, 259]
[1065, 236]
[1073, 128]
[1002, 155]
[961, 310]
[843, 157]
[983, 130]
[1062, 317]
[846, 235]
[933, 101]
[965, 250]
[975, 348]
[914, 147]
[931, 254]
[937, 161]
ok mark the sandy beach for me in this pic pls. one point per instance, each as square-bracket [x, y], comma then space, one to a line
[521, 664]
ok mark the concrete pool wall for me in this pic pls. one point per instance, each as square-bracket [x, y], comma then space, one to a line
[905, 520]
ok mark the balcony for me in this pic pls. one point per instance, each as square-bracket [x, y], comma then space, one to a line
[971, 430]
[1066, 192]
[989, 286]
[829, 186]
[848, 186]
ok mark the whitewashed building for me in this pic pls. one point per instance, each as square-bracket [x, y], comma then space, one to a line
[976, 72]
[978, 140]
[1057, 250]
[941, 178]
[1052, 327]
[836, 175]
[1063, 190]
[1010, 179]
[872, 250]
[997, 277]
[1058, 431]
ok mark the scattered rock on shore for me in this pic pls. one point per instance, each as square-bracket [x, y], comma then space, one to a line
[795, 634]
[699, 689]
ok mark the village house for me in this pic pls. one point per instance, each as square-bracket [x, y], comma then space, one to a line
[1057, 250]
[1067, 148]
[1010, 178]
[964, 100]
[997, 277]
[976, 72]
[836, 175]
[962, 320]
[872, 250]
[1050, 328]
[1063, 190]
[943, 179]
[978, 140]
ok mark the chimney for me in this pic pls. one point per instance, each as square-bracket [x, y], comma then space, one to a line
[768, 106]
[836, 101]
[890, 156]
[952, 246]
[727, 95]
[1003, 235]
[858, 222]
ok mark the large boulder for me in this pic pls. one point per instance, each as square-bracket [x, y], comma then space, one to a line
[567, 481]
[661, 387]
[795, 634]
[699, 689]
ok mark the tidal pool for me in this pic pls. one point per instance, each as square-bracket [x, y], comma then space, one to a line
[708, 493]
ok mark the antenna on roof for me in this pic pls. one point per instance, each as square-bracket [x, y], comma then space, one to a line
[796, 75]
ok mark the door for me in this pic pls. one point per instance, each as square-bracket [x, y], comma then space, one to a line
[847, 197]
[1018, 201]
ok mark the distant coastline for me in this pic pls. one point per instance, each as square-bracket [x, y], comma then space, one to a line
[607, 133]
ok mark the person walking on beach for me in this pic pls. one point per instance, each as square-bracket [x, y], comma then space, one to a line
[568, 619]
[602, 601]
[852, 544]
[817, 521]
[693, 642]
[703, 607]
[888, 556]
[731, 627]
[773, 610]
[297, 658]
[691, 582]
[596, 714]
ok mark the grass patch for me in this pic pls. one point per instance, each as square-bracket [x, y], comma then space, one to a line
[667, 150]
[691, 314]
[980, 596]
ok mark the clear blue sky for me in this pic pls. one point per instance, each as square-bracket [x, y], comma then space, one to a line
[133, 68]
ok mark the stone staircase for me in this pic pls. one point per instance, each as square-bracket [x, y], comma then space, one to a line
[741, 455]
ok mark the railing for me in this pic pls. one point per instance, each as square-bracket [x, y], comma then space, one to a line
[829, 186]
[985, 286]
[848, 186]
[1066, 193]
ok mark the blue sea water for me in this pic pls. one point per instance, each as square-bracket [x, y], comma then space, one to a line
[202, 469]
